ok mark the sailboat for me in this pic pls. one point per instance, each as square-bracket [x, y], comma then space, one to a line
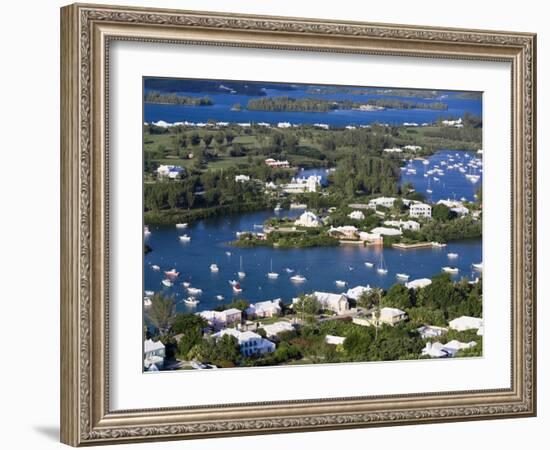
[429, 189]
[241, 273]
[381, 268]
[272, 275]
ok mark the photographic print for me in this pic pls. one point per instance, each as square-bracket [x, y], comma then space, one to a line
[289, 224]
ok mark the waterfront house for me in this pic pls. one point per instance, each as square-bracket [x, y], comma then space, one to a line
[277, 164]
[371, 238]
[154, 353]
[266, 309]
[393, 150]
[420, 210]
[344, 232]
[418, 283]
[337, 303]
[357, 291]
[242, 178]
[169, 171]
[403, 224]
[431, 331]
[222, 319]
[453, 123]
[356, 215]
[448, 350]
[464, 323]
[250, 343]
[455, 206]
[334, 340]
[307, 219]
[273, 329]
[412, 148]
[391, 316]
[384, 231]
[358, 206]
[284, 125]
[302, 185]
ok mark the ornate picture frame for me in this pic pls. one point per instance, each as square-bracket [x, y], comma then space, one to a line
[86, 34]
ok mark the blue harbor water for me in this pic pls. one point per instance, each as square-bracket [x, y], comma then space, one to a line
[321, 266]
[222, 110]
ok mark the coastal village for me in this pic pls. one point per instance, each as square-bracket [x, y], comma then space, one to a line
[439, 316]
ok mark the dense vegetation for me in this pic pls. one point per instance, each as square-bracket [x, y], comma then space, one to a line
[175, 99]
[311, 104]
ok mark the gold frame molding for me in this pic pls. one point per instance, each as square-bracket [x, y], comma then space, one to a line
[86, 31]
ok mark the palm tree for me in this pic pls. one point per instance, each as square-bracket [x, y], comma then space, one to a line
[161, 312]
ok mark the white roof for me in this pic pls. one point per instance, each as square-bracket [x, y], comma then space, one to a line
[150, 346]
[334, 340]
[418, 283]
[390, 312]
[357, 291]
[232, 311]
[327, 297]
[277, 327]
[386, 231]
[466, 323]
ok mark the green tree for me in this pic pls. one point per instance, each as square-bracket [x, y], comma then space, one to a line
[307, 306]
[441, 212]
[398, 296]
[207, 139]
[161, 312]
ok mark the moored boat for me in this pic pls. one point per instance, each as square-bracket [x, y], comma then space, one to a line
[181, 225]
[185, 238]
[478, 266]
[168, 283]
[452, 255]
[214, 268]
[194, 291]
[172, 273]
[298, 278]
[191, 301]
[402, 276]
[450, 269]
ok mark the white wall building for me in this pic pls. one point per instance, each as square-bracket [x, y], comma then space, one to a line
[387, 202]
[420, 210]
[307, 219]
[337, 303]
[242, 178]
[455, 206]
[268, 308]
[169, 171]
[221, 319]
[357, 291]
[391, 316]
[356, 215]
[345, 231]
[403, 224]
[303, 185]
[154, 353]
[334, 340]
[384, 231]
[250, 343]
[393, 150]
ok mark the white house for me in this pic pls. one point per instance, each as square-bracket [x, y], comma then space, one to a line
[382, 201]
[391, 316]
[221, 319]
[250, 343]
[169, 171]
[284, 125]
[242, 178]
[464, 323]
[274, 329]
[412, 148]
[453, 123]
[154, 353]
[455, 206]
[345, 231]
[307, 219]
[431, 331]
[418, 283]
[303, 185]
[448, 350]
[277, 164]
[393, 150]
[384, 231]
[357, 291]
[334, 340]
[420, 210]
[337, 303]
[268, 308]
[403, 224]
[371, 238]
[356, 215]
